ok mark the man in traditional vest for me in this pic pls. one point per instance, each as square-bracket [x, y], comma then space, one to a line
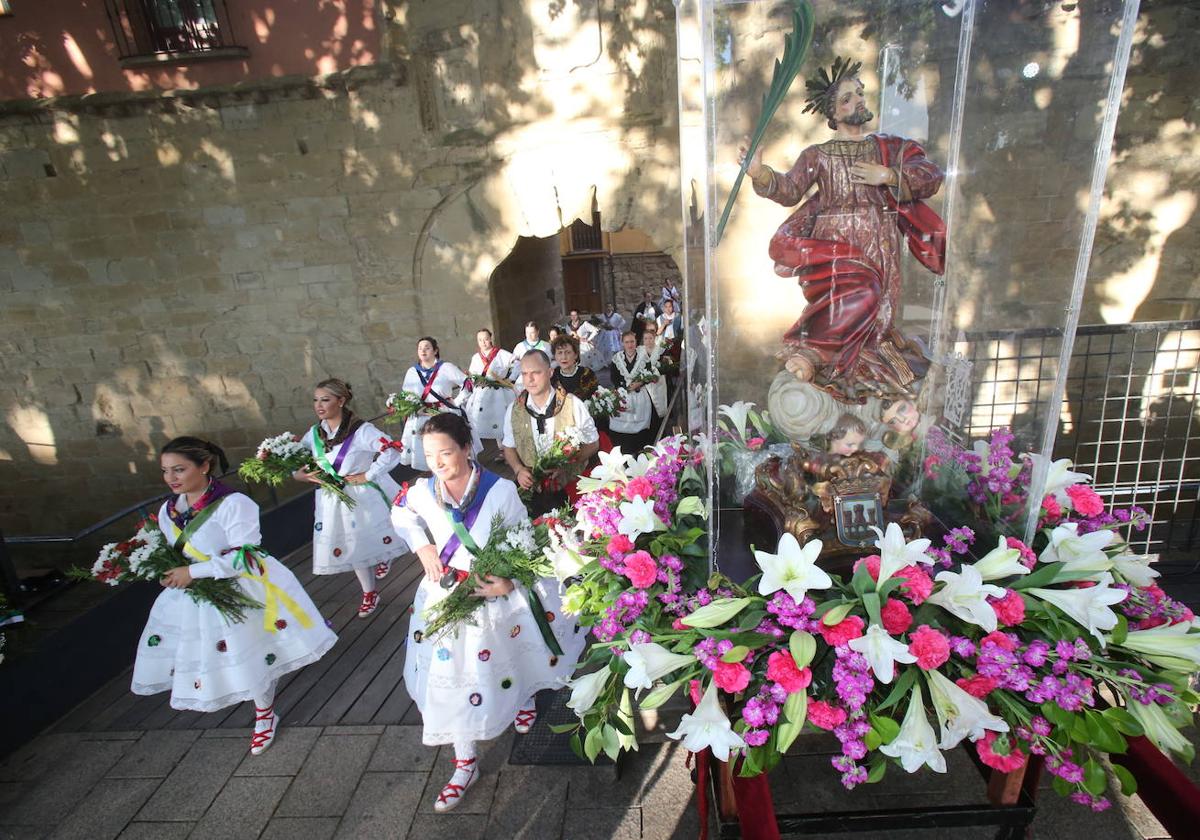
[529, 429]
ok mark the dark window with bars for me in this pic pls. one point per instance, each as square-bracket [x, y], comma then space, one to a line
[163, 29]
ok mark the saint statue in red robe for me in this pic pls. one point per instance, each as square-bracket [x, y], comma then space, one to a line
[843, 245]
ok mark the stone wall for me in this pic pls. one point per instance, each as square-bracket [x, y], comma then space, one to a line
[193, 261]
[634, 274]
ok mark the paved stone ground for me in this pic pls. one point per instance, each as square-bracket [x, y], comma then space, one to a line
[319, 783]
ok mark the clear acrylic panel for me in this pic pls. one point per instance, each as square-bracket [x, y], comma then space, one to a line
[890, 278]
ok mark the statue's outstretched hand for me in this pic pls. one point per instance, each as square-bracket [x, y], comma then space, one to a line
[755, 169]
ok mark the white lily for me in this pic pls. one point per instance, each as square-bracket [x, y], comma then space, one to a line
[1170, 646]
[1059, 476]
[965, 595]
[959, 714]
[639, 465]
[708, 727]
[651, 661]
[793, 569]
[916, 745]
[585, 690]
[1001, 562]
[738, 414]
[1088, 607]
[895, 553]
[1078, 552]
[1135, 568]
[565, 554]
[610, 469]
[638, 517]
[1158, 727]
[882, 652]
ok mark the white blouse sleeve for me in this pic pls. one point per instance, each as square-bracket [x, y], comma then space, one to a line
[387, 457]
[238, 518]
[412, 382]
[408, 522]
[510, 508]
[585, 423]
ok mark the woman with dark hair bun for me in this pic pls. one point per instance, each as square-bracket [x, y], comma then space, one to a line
[358, 539]
[436, 384]
[189, 648]
[474, 682]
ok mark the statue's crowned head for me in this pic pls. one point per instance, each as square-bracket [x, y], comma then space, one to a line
[837, 94]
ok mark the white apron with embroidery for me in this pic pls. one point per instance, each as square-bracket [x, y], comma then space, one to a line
[486, 407]
[348, 538]
[448, 382]
[206, 662]
[636, 416]
[469, 686]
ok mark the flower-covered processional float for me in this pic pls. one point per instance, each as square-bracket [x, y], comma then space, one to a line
[1061, 649]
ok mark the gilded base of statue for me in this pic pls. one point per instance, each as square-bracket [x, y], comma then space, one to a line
[838, 499]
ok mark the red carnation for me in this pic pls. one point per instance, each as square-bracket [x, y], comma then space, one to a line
[917, 586]
[850, 627]
[619, 545]
[1010, 610]
[999, 639]
[872, 564]
[1005, 756]
[825, 715]
[977, 686]
[781, 668]
[639, 488]
[1085, 500]
[641, 569]
[1028, 558]
[896, 617]
[731, 676]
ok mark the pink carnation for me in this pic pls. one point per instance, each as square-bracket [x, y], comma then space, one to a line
[619, 546]
[641, 569]
[824, 715]
[850, 627]
[781, 668]
[977, 686]
[755, 443]
[872, 564]
[1010, 610]
[896, 617]
[1005, 757]
[999, 639]
[1085, 500]
[1050, 505]
[639, 488]
[917, 586]
[1028, 558]
[731, 676]
[930, 647]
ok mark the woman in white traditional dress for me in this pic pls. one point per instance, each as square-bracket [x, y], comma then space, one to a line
[486, 399]
[358, 539]
[670, 323]
[630, 429]
[531, 341]
[657, 389]
[586, 333]
[436, 384]
[472, 683]
[190, 649]
[612, 324]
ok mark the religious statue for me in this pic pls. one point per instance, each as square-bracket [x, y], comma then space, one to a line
[843, 244]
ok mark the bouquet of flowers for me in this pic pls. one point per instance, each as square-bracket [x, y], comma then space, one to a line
[1062, 653]
[148, 556]
[550, 465]
[400, 406]
[280, 456]
[515, 552]
[650, 374]
[606, 402]
[477, 380]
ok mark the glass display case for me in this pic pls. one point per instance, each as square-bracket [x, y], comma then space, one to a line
[922, 185]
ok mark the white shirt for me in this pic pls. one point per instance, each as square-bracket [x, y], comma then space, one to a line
[541, 442]
[232, 525]
[367, 454]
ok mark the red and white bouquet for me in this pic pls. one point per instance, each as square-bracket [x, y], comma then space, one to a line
[280, 456]
[607, 402]
[400, 406]
[148, 556]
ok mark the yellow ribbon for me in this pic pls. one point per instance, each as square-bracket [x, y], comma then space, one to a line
[274, 595]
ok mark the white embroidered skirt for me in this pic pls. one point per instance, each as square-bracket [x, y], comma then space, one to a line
[348, 538]
[208, 663]
[470, 685]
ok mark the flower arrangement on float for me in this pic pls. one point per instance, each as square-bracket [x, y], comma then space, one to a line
[1063, 649]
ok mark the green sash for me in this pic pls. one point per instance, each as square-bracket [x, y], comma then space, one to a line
[535, 603]
[184, 537]
[322, 458]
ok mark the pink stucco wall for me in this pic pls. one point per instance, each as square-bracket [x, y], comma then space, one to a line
[65, 47]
